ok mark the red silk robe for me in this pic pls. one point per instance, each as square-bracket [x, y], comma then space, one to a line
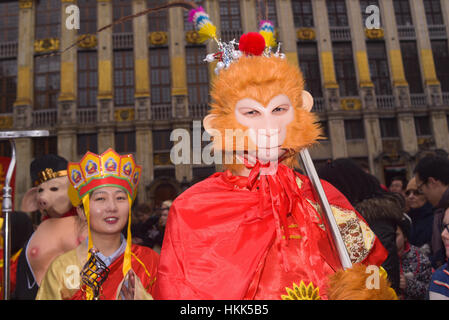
[231, 238]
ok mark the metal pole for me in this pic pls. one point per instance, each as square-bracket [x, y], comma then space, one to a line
[7, 206]
[330, 219]
[7, 209]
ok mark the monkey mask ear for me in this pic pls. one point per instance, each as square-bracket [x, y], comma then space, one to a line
[207, 123]
[307, 100]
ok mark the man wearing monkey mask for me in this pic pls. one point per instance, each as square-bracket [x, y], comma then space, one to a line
[256, 230]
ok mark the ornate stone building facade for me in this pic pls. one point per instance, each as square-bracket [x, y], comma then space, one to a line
[382, 94]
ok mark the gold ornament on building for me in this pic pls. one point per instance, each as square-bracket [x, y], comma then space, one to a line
[351, 104]
[302, 292]
[87, 41]
[122, 115]
[374, 33]
[46, 45]
[6, 122]
[193, 37]
[162, 159]
[25, 4]
[305, 34]
[158, 38]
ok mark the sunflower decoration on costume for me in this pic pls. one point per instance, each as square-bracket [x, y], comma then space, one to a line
[302, 292]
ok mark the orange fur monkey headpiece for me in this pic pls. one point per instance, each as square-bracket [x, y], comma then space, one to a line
[262, 78]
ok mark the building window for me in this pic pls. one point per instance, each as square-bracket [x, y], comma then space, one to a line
[302, 13]
[122, 8]
[389, 128]
[310, 67]
[366, 3]
[8, 84]
[161, 147]
[354, 130]
[441, 58]
[125, 142]
[336, 11]
[157, 21]
[266, 10]
[422, 126]
[200, 173]
[9, 21]
[43, 146]
[197, 75]
[86, 142]
[123, 78]
[160, 76]
[344, 68]
[88, 16]
[46, 82]
[433, 12]
[87, 79]
[411, 66]
[5, 149]
[378, 63]
[48, 19]
[230, 21]
[402, 13]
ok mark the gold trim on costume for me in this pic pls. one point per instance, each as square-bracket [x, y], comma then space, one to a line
[49, 174]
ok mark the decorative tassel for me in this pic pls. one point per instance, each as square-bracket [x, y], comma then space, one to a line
[202, 23]
[266, 29]
[127, 256]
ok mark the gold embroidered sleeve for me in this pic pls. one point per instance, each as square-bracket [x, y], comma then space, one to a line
[357, 236]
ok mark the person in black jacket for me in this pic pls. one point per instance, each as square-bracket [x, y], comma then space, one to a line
[382, 210]
[421, 213]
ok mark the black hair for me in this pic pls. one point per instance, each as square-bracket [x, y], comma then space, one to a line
[433, 166]
[351, 180]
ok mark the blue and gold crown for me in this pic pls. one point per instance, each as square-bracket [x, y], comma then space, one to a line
[108, 169]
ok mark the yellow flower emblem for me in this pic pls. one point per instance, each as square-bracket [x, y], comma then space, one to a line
[302, 292]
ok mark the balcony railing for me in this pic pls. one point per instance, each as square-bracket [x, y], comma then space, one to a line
[198, 111]
[86, 115]
[385, 102]
[446, 98]
[8, 49]
[418, 100]
[44, 118]
[161, 112]
[318, 105]
[437, 31]
[228, 35]
[122, 40]
[340, 33]
[406, 33]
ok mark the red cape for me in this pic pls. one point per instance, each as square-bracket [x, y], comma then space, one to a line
[221, 242]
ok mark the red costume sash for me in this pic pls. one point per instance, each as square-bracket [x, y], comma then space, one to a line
[146, 274]
[228, 237]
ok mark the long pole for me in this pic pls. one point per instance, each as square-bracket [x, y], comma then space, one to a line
[7, 206]
[330, 219]
[7, 209]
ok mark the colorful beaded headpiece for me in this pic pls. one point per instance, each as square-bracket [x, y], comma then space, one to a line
[251, 43]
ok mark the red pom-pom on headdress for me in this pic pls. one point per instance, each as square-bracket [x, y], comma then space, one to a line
[252, 43]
